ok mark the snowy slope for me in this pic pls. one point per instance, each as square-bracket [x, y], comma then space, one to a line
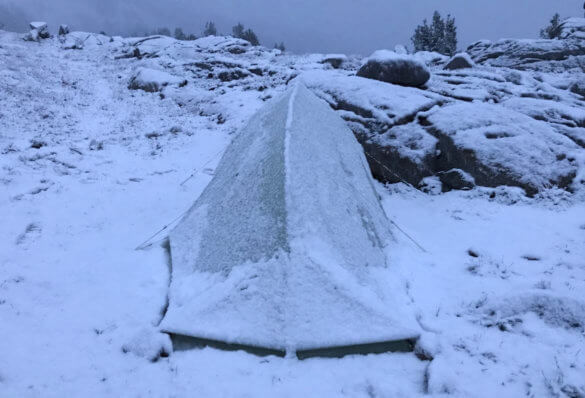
[90, 169]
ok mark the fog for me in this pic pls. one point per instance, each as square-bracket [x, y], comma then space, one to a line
[347, 26]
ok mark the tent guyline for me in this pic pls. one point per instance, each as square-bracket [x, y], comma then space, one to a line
[284, 252]
[147, 243]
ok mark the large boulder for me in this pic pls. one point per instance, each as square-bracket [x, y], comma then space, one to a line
[460, 61]
[499, 146]
[390, 67]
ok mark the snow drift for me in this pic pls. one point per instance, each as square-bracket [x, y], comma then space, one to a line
[282, 251]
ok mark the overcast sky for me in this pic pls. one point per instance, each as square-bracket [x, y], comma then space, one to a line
[346, 26]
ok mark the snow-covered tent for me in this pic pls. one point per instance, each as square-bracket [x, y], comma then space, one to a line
[284, 252]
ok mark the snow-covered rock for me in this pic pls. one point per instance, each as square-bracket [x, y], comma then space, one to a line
[541, 55]
[431, 58]
[573, 28]
[153, 80]
[42, 28]
[498, 146]
[566, 119]
[390, 67]
[456, 179]
[460, 61]
[335, 60]
[39, 30]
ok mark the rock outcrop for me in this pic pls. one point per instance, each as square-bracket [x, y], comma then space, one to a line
[539, 55]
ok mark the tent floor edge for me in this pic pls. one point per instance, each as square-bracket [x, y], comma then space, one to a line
[392, 346]
[184, 343]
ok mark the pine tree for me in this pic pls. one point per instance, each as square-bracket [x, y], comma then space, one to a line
[554, 29]
[438, 33]
[440, 36]
[250, 36]
[179, 35]
[210, 29]
[238, 31]
[280, 46]
[422, 37]
[450, 36]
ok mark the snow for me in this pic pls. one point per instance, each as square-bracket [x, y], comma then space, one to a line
[107, 175]
[303, 231]
[153, 80]
[384, 56]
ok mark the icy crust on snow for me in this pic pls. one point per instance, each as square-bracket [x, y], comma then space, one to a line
[284, 248]
[507, 142]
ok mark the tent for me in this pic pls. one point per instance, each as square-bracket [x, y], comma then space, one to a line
[284, 251]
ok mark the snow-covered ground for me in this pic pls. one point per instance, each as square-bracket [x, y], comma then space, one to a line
[91, 169]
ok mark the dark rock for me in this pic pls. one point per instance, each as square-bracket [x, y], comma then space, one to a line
[236, 50]
[63, 30]
[228, 76]
[256, 71]
[459, 61]
[401, 70]
[335, 60]
[456, 179]
[578, 88]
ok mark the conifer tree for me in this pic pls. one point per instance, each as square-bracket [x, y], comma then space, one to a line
[450, 36]
[440, 36]
[179, 35]
[238, 31]
[210, 29]
[554, 29]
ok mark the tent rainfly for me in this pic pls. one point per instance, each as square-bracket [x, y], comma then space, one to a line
[284, 251]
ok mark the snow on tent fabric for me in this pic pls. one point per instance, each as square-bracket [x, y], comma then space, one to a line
[282, 251]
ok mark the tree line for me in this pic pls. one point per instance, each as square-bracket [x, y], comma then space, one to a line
[210, 29]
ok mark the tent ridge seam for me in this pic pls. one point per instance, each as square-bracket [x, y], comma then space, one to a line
[290, 349]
